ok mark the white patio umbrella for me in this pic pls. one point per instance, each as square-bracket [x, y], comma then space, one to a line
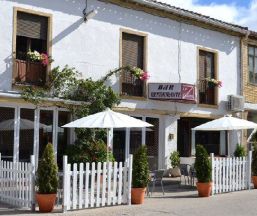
[226, 123]
[25, 124]
[108, 119]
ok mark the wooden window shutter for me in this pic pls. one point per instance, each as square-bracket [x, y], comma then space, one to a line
[132, 55]
[32, 26]
[201, 65]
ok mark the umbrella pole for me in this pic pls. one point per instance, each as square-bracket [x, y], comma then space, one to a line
[108, 143]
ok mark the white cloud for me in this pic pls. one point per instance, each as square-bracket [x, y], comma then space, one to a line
[246, 16]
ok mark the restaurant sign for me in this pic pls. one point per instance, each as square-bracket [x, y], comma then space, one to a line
[171, 91]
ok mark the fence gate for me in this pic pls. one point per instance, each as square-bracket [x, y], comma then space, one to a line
[17, 186]
[231, 174]
[96, 184]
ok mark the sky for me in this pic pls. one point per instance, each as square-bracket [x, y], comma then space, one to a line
[240, 12]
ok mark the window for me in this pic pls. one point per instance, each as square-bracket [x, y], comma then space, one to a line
[207, 93]
[132, 55]
[31, 35]
[7, 124]
[252, 64]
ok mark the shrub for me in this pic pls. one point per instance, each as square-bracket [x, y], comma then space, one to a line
[175, 159]
[47, 173]
[254, 161]
[88, 151]
[240, 151]
[202, 165]
[140, 175]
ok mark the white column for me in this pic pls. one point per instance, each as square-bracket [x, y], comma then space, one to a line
[16, 134]
[55, 132]
[193, 142]
[144, 132]
[36, 136]
[127, 145]
[110, 138]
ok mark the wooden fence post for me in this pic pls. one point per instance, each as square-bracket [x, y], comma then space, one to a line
[130, 167]
[33, 178]
[249, 177]
[212, 174]
[64, 201]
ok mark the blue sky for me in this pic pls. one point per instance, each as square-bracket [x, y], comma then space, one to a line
[240, 12]
[237, 2]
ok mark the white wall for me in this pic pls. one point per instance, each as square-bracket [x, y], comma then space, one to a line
[93, 47]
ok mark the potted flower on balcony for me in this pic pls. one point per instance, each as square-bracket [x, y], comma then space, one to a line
[203, 171]
[254, 166]
[47, 180]
[213, 82]
[140, 176]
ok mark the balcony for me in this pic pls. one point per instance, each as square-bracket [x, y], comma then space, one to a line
[29, 73]
[207, 92]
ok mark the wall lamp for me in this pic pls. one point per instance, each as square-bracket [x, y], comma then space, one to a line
[89, 15]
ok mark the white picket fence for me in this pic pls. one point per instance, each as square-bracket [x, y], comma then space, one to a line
[17, 183]
[231, 174]
[96, 184]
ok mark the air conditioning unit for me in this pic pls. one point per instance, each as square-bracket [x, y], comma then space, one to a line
[235, 103]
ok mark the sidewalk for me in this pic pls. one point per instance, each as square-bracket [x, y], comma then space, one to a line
[177, 203]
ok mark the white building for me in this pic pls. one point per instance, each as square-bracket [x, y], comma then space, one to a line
[175, 46]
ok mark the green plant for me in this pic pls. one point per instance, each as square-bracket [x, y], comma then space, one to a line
[240, 151]
[202, 165]
[174, 159]
[254, 161]
[47, 173]
[88, 151]
[140, 175]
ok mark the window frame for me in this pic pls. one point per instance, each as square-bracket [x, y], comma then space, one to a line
[254, 63]
[145, 57]
[216, 67]
[14, 35]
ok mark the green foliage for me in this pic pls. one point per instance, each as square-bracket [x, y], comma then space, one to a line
[202, 165]
[240, 151]
[47, 173]
[254, 161]
[88, 151]
[93, 96]
[140, 175]
[174, 159]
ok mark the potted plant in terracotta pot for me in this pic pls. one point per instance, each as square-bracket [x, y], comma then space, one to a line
[203, 171]
[47, 180]
[140, 176]
[254, 166]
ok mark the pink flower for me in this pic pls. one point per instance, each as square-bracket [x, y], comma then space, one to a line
[219, 84]
[144, 76]
[45, 59]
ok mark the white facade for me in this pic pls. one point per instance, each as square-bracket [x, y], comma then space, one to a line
[93, 48]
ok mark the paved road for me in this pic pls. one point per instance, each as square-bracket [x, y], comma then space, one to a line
[242, 203]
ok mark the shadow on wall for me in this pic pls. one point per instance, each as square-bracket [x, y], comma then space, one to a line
[6, 75]
[136, 20]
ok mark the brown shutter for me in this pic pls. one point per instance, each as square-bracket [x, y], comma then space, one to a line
[201, 65]
[32, 26]
[132, 55]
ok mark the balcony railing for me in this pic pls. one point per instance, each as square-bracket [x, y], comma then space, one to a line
[207, 92]
[29, 73]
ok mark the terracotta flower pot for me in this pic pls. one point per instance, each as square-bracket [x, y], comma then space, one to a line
[254, 178]
[138, 195]
[204, 189]
[46, 202]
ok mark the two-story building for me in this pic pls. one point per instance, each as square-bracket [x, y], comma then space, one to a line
[179, 49]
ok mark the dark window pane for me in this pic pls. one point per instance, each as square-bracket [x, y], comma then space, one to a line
[6, 132]
[45, 129]
[26, 134]
[63, 136]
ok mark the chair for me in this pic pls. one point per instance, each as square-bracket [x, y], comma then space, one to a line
[185, 171]
[156, 177]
